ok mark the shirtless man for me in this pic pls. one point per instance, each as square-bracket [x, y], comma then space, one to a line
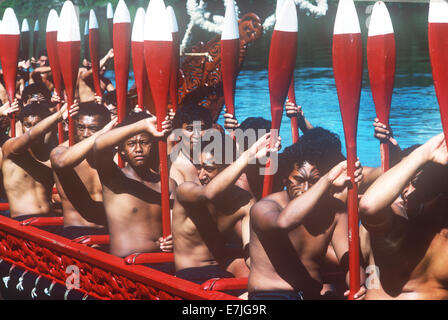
[76, 178]
[27, 174]
[404, 238]
[131, 195]
[292, 229]
[86, 89]
[205, 212]
[182, 168]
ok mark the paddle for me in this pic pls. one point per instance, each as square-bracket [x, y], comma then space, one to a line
[110, 22]
[230, 53]
[36, 39]
[158, 57]
[51, 39]
[122, 52]
[86, 40]
[25, 39]
[94, 45]
[438, 52]
[9, 56]
[176, 56]
[69, 51]
[347, 67]
[381, 64]
[282, 57]
[138, 56]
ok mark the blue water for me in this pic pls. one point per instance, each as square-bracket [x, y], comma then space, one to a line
[414, 114]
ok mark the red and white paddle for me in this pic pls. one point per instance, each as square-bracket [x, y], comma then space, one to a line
[138, 56]
[86, 39]
[52, 50]
[176, 56]
[282, 59]
[36, 39]
[230, 53]
[94, 45]
[25, 39]
[381, 56]
[438, 52]
[110, 21]
[69, 50]
[347, 68]
[158, 57]
[9, 56]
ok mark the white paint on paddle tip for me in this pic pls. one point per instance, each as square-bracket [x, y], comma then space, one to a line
[157, 25]
[110, 11]
[86, 28]
[93, 21]
[287, 17]
[122, 14]
[230, 29]
[68, 30]
[52, 21]
[25, 26]
[438, 11]
[346, 18]
[279, 5]
[10, 24]
[36, 25]
[380, 22]
[173, 20]
[138, 28]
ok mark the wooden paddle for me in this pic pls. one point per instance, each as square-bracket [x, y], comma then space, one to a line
[347, 67]
[25, 39]
[176, 56]
[138, 57]
[69, 51]
[282, 57]
[9, 56]
[381, 58]
[158, 57]
[94, 45]
[52, 50]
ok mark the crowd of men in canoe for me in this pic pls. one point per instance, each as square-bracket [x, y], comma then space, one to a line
[292, 244]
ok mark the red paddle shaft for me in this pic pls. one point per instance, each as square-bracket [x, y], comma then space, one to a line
[158, 58]
[230, 52]
[347, 67]
[282, 57]
[10, 45]
[175, 71]
[438, 51]
[70, 53]
[294, 120]
[94, 44]
[141, 79]
[52, 51]
[381, 57]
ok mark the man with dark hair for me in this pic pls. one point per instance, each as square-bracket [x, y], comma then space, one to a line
[86, 88]
[194, 122]
[27, 173]
[76, 178]
[131, 195]
[110, 102]
[405, 226]
[291, 229]
[205, 212]
[35, 92]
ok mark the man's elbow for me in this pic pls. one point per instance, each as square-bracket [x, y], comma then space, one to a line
[367, 207]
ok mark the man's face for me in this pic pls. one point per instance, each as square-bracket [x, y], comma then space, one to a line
[43, 61]
[301, 179]
[137, 150]
[113, 110]
[194, 132]
[36, 97]
[29, 122]
[207, 169]
[87, 126]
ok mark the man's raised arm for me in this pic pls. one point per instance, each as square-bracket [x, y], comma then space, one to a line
[19, 144]
[190, 192]
[389, 186]
[69, 157]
